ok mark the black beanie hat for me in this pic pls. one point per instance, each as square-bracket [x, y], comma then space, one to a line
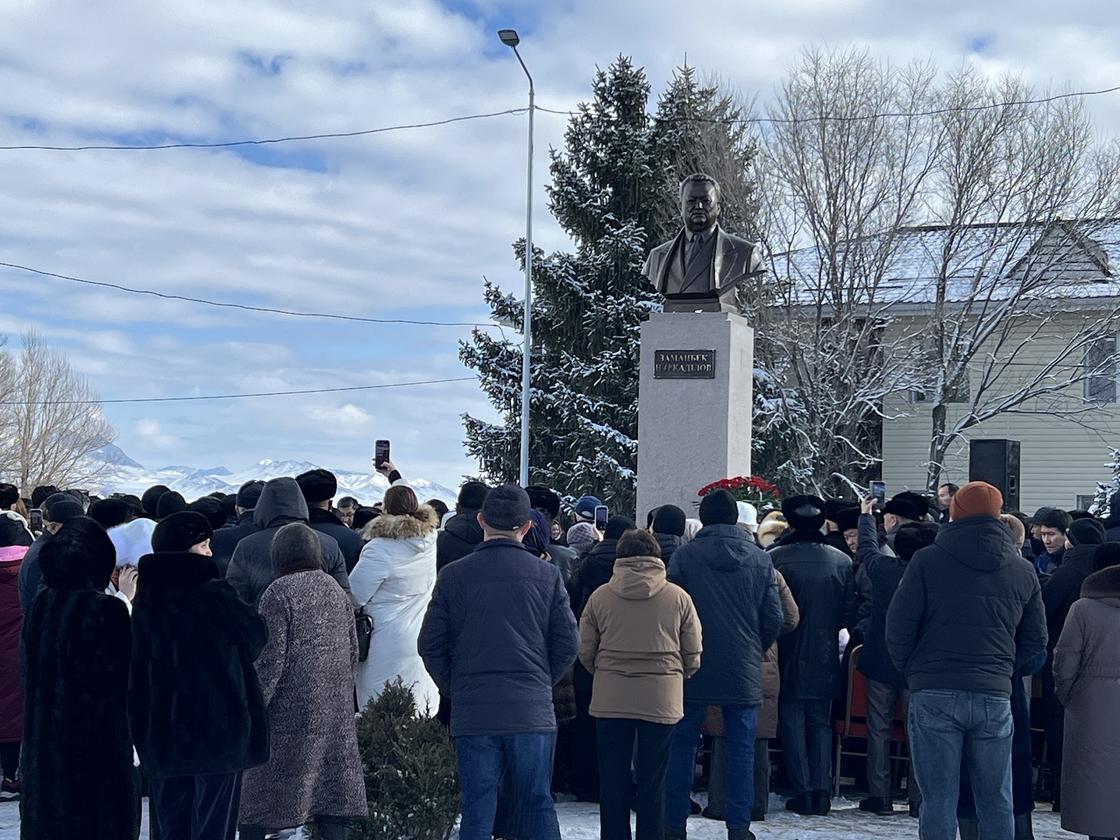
[804, 513]
[249, 494]
[169, 503]
[60, 509]
[719, 508]
[1106, 555]
[109, 513]
[617, 526]
[669, 519]
[150, 500]
[1086, 531]
[317, 485]
[506, 508]
[472, 495]
[212, 509]
[180, 532]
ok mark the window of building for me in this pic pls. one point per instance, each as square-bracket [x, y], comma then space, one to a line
[1085, 502]
[1101, 369]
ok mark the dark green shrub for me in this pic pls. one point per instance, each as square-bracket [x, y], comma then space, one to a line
[410, 770]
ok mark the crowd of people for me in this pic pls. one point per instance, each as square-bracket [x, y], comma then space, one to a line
[214, 655]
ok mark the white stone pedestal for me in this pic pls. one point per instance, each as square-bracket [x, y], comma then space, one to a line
[692, 431]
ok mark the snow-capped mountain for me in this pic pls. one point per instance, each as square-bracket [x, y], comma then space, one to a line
[124, 475]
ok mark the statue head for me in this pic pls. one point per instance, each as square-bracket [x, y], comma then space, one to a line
[699, 202]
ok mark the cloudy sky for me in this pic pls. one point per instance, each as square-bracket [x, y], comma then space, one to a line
[398, 225]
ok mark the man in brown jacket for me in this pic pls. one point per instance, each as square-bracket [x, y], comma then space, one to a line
[640, 639]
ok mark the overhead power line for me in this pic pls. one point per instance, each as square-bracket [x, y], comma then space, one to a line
[296, 138]
[365, 132]
[876, 116]
[243, 306]
[242, 396]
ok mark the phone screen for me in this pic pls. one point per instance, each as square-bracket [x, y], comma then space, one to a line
[36, 520]
[602, 514]
[380, 452]
[879, 491]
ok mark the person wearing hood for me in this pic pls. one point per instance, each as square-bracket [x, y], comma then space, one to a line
[319, 488]
[823, 585]
[731, 582]
[641, 639]
[195, 704]
[668, 530]
[13, 525]
[250, 568]
[462, 534]
[393, 584]
[1087, 678]
[967, 616]
[225, 539]
[77, 769]
[57, 511]
[314, 771]
[1059, 593]
[885, 685]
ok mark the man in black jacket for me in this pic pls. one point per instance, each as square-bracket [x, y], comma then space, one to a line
[547, 503]
[250, 569]
[225, 539]
[462, 533]
[967, 614]
[319, 488]
[821, 580]
[732, 584]
[57, 511]
[885, 685]
[1059, 593]
[498, 635]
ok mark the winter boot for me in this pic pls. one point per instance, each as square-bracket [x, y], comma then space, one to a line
[801, 804]
[822, 803]
[877, 805]
[969, 828]
[740, 834]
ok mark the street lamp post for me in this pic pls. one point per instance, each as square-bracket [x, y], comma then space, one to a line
[510, 38]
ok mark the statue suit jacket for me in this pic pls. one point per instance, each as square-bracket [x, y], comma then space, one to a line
[732, 259]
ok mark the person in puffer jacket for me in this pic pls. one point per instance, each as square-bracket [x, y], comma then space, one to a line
[640, 638]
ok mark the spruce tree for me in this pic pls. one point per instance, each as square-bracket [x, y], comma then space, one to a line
[614, 188]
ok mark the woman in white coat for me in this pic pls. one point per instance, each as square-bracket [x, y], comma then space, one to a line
[393, 583]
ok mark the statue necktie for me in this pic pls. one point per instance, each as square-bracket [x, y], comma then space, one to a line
[695, 247]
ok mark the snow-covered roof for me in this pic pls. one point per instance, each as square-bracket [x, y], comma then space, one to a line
[1060, 260]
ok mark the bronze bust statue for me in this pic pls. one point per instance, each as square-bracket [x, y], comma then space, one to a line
[702, 267]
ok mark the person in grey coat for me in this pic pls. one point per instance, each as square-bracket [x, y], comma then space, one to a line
[314, 772]
[1087, 680]
[250, 569]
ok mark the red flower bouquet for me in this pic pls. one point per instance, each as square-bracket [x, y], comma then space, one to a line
[746, 488]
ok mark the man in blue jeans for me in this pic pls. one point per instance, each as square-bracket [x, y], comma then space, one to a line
[967, 615]
[498, 634]
[735, 591]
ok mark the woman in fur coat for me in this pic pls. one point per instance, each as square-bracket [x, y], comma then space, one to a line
[314, 771]
[393, 583]
[78, 778]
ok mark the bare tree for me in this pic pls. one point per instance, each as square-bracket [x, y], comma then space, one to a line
[1006, 267]
[50, 422]
[838, 179]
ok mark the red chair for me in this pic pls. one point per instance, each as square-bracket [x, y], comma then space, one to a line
[854, 723]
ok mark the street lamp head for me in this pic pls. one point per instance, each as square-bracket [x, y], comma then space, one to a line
[509, 37]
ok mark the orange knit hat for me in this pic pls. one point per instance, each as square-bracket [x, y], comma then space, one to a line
[977, 498]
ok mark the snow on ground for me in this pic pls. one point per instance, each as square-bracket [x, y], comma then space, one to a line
[580, 821]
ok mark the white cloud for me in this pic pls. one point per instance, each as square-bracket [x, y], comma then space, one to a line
[398, 224]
